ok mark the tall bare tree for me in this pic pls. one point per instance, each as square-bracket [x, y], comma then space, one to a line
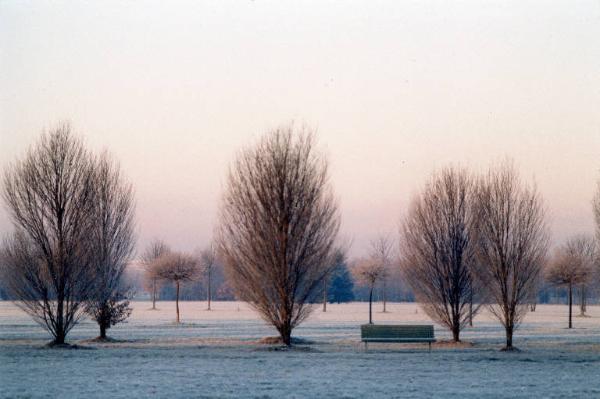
[382, 249]
[572, 265]
[369, 271]
[178, 268]
[596, 210]
[438, 246]
[278, 224]
[512, 244]
[155, 250]
[208, 259]
[112, 239]
[50, 198]
[588, 249]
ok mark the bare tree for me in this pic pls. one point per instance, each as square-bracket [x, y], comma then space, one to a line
[207, 262]
[50, 198]
[112, 240]
[382, 252]
[155, 250]
[278, 225]
[438, 245]
[572, 265]
[535, 291]
[326, 283]
[178, 268]
[369, 271]
[512, 244]
[596, 210]
[533, 305]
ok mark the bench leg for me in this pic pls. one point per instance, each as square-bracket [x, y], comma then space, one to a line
[366, 346]
[429, 346]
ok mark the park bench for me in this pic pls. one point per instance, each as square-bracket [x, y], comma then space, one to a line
[396, 333]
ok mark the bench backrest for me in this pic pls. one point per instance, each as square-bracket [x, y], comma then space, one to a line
[396, 331]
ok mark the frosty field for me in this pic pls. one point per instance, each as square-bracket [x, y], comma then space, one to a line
[217, 354]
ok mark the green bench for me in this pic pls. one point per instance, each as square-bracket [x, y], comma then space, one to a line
[396, 333]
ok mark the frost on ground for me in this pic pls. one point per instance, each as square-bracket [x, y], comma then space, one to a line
[219, 353]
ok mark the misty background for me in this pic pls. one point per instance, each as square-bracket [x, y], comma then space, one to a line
[395, 89]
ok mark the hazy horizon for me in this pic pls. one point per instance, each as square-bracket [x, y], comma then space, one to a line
[396, 91]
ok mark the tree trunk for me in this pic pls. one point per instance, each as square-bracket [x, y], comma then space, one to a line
[153, 294]
[287, 339]
[208, 291]
[456, 333]
[102, 331]
[285, 331]
[471, 310]
[582, 305]
[325, 298]
[177, 299]
[370, 306]
[570, 305]
[456, 322]
[59, 339]
[509, 338]
[384, 298]
[60, 326]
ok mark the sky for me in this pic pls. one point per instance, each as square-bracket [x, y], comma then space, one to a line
[395, 89]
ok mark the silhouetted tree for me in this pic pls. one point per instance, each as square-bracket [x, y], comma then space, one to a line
[382, 252]
[177, 268]
[369, 271]
[596, 209]
[536, 292]
[512, 243]
[207, 263]
[112, 240]
[50, 196]
[155, 250]
[571, 266]
[278, 225]
[438, 246]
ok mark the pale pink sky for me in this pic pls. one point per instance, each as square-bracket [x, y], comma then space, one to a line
[395, 88]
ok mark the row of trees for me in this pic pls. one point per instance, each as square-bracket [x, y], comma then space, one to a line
[467, 241]
[162, 272]
[73, 217]
[341, 286]
[161, 264]
[575, 265]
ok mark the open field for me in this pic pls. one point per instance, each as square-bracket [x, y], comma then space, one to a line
[216, 354]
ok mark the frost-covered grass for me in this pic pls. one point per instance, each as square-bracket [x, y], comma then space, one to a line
[216, 354]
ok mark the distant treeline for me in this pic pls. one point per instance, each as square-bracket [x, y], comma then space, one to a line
[396, 290]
